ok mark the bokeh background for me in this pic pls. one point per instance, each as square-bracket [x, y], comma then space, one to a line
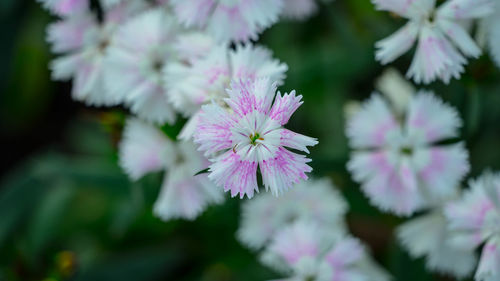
[69, 213]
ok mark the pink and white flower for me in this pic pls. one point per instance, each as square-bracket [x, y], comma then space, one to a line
[203, 80]
[313, 200]
[248, 135]
[397, 160]
[145, 149]
[136, 57]
[443, 44]
[83, 43]
[475, 220]
[306, 252]
[228, 20]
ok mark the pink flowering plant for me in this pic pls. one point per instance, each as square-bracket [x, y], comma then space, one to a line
[187, 109]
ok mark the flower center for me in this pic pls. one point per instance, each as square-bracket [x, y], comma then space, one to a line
[406, 150]
[254, 138]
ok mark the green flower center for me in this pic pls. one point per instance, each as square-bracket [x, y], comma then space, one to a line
[254, 138]
[406, 150]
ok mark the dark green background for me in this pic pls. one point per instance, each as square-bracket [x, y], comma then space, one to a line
[69, 213]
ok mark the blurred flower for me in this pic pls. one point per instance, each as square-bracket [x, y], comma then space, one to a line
[304, 251]
[475, 220]
[313, 200]
[249, 134]
[145, 149]
[490, 26]
[137, 54]
[205, 79]
[229, 20]
[439, 33]
[398, 160]
[396, 89]
[84, 42]
[427, 236]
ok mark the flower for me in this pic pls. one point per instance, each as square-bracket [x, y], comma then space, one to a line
[299, 9]
[397, 159]
[306, 252]
[249, 135]
[475, 219]
[206, 79]
[442, 41]
[84, 43]
[136, 56]
[314, 200]
[145, 149]
[229, 20]
[427, 236]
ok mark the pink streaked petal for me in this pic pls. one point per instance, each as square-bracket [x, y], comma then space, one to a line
[295, 141]
[247, 96]
[445, 168]
[143, 149]
[234, 174]
[284, 106]
[391, 188]
[430, 119]
[345, 252]
[373, 125]
[281, 172]
[71, 33]
[489, 264]
[213, 132]
[296, 241]
[434, 57]
[466, 9]
[459, 36]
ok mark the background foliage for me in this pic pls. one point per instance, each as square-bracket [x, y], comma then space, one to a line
[69, 213]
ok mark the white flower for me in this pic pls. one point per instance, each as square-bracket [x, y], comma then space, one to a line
[442, 44]
[84, 42]
[490, 30]
[307, 252]
[145, 149]
[137, 54]
[265, 215]
[397, 159]
[65, 7]
[226, 20]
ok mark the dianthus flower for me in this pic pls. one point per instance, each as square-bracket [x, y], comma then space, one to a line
[229, 20]
[83, 42]
[306, 252]
[475, 219]
[249, 135]
[398, 160]
[314, 200]
[136, 56]
[145, 149]
[442, 44]
[203, 80]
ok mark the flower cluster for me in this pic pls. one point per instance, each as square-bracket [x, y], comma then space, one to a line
[303, 235]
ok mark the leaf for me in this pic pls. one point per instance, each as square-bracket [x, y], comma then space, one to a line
[204, 171]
